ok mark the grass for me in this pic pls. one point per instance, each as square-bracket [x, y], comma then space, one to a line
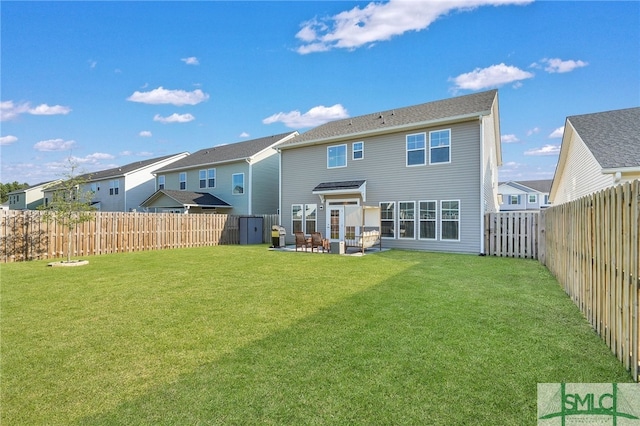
[243, 335]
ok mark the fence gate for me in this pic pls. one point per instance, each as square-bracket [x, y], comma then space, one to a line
[512, 234]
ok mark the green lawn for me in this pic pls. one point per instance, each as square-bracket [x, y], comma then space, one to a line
[244, 335]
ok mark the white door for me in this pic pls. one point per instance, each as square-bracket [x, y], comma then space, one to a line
[335, 223]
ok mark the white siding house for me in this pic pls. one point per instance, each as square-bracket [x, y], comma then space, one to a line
[524, 195]
[598, 151]
[431, 169]
[124, 188]
[29, 198]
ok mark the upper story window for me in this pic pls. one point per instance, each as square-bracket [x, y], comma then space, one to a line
[533, 198]
[546, 199]
[358, 150]
[203, 178]
[94, 187]
[114, 187]
[440, 146]
[514, 199]
[161, 182]
[336, 156]
[416, 149]
[183, 180]
[237, 183]
[211, 178]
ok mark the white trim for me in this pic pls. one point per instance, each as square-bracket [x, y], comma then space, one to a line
[244, 191]
[362, 190]
[345, 156]
[353, 151]
[435, 237]
[431, 163]
[395, 233]
[406, 149]
[450, 220]
[400, 237]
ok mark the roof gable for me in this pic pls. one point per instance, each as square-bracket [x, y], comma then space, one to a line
[543, 185]
[187, 198]
[392, 120]
[613, 137]
[238, 151]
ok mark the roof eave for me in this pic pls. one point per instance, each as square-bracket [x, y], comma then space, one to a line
[386, 130]
[614, 170]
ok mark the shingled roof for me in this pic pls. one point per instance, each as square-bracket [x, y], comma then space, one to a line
[613, 137]
[122, 170]
[391, 120]
[542, 185]
[188, 198]
[227, 153]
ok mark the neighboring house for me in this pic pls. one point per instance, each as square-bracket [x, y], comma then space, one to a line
[124, 188]
[239, 179]
[431, 169]
[598, 151]
[524, 195]
[29, 198]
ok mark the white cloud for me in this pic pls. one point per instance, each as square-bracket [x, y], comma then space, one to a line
[380, 21]
[10, 111]
[493, 76]
[191, 60]
[174, 118]
[8, 140]
[557, 133]
[556, 65]
[145, 134]
[244, 135]
[314, 117]
[164, 96]
[92, 63]
[509, 138]
[44, 109]
[54, 145]
[545, 150]
[533, 131]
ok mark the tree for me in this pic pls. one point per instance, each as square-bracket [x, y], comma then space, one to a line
[70, 205]
[6, 188]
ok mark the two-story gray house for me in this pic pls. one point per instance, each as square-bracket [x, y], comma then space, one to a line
[239, 179]
[431, 169]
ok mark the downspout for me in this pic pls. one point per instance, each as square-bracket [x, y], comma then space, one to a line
[249, 188]
[279, 186]
[482, 176]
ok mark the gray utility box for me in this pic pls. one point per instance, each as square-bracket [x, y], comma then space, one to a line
[250, 229]
[337, 247]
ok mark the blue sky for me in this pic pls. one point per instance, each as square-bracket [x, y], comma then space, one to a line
[110, 83]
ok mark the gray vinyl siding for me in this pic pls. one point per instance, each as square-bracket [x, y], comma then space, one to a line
[264, 190]
[389, 179]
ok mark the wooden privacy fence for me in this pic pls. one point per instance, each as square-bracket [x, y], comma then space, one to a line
[591, 245]
[511, 234]
[25, 235]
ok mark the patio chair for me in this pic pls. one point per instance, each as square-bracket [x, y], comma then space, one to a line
[317, 241]
[301, 241]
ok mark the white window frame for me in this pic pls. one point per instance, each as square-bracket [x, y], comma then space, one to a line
[511, 199]
[442, 219]
[300, 208]
[114, 187]
[421, 220]
[161, 182]
[202, 179]
[423, 149]
[404, 220]
[211, 176]
[182, 177]
[533, 198]
[309, 210]
[431, 148]
[392, 220]
[354, 150]
[233, 184]
[329, 166]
